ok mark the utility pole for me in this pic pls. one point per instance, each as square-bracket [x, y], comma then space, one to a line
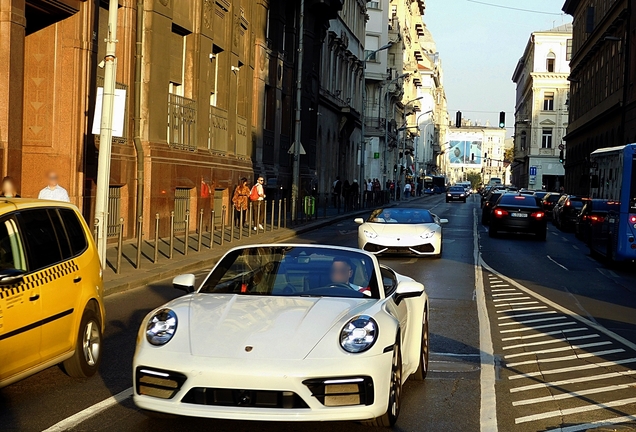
[299, 104]
[106, 132]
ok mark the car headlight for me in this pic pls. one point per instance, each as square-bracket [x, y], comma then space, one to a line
[161, 327]
[448, 195]
[359, 334]
[369, 234]
[461, 195]
[428, 235]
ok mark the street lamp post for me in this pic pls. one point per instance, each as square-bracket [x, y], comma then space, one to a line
[386, 124]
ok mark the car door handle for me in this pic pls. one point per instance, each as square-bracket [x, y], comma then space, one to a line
[77, 279]
[34, 297]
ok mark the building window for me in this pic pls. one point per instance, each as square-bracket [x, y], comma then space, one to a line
[216, 65]
[568, 50]
[373, 5]
[372, 44]
[550, 62]
[546, 139]
[548, 102]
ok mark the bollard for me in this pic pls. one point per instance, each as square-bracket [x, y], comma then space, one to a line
[200, 242]
[258, 217]
[223, 226]
[140, 235]
[156, 238]
[324, 209]
[249, 224]
[264, 206]
[212, 230]
[241, 222]
[280, 210]
[186, 237]
[96, 231]
[285, 213]
[171, 234]
[233, 219]
[271, 225]
[120, 244]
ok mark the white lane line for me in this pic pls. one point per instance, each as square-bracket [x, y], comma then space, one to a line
[502, 285]
[495, 281]
[570, 411]
[454, 354]
[566, 358]
[596, 424]
[516, 304]
[585, 321]
[553, 233]
[488, 402]
[525, 315]
[522, 309]
[574, 369]
[523, 329]
[560, 349]
[575, 247]
[560, 265]
[507, 294]
[510, 299]
[573, 381]
[534, 336]
[503, 289]
[91, 411]
[561, 396]
[565, 239]
[533, 321]
[552, 341]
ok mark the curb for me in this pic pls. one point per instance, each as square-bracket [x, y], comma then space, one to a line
[114, 287]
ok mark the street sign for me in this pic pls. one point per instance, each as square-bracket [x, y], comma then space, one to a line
[533, 170]
[561, 147]
[292, 148]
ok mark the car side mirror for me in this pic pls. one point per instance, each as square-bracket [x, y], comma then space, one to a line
[359, 221]
[443, 221]
[406, 290]
[184, 282]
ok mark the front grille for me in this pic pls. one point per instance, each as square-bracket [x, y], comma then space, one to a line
[370, 247]
[158, 383]
[426, 248]
[244, 398]
[334, 392]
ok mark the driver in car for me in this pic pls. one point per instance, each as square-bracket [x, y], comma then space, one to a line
[386, 217]
[342, 272]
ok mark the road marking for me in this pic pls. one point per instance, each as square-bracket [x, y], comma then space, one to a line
[569, 411]
[575, 247]
[553, 233]
[499, 285]
[552, 341]
[503, 290]
[596, 424]
[496, 281]
[573, 381]
[573, 369]
[565, 239]
[522, 309]
[511, 299]
[525, 315]
[91, 411]
[532, 321]
[488, 403]
[516, 304]
[556, 332]
[560, 349]
[454, 354]
[566, 358]
[560, 265]
[506, 294]
[538, 327]
[561, 396]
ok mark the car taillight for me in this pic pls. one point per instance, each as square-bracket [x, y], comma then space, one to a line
[568, 204]
[584, 218]
[538, 215]
[632, 219]
[500, 213]
[595, 218]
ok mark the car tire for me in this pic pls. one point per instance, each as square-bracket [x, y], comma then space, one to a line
[422, 370]
[88, 347]
[390, 417]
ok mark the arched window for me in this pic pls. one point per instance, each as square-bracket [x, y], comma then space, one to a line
[550, 60]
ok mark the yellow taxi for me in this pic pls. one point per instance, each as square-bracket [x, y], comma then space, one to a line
[51, 291]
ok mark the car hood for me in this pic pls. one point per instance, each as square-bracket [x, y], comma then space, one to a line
[390, 230]
[284, 328]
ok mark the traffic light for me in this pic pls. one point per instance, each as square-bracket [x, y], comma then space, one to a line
[395, 168]
[458, 119]
[502, 120]
[561, 156]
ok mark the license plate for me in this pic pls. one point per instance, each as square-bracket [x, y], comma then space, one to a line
[520, 215]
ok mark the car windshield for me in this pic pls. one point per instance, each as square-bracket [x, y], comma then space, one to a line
[401, 216]
[301, 271]
[457, 189]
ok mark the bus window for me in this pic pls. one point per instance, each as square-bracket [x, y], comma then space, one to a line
[632, 194]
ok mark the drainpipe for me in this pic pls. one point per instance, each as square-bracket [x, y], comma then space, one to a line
[137, 137]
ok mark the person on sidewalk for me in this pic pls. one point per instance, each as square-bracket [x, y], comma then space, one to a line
[257, 197]
[407, 190]
[337, 190]
[53, 191]
[8, 188]
[240, 201]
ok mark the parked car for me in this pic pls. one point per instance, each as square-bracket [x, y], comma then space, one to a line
[489, 203]
[566, 211]
[549, 201]
[456, 193]
[518, 213]
[51, 294]
[540, 194]
[594, 212]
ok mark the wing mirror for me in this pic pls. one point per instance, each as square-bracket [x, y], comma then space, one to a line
[443, 221]
[184, 282]
[359, 221]
[407, 290]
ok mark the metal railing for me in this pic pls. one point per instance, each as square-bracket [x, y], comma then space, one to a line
[182, 113]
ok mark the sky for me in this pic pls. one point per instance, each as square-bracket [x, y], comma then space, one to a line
[480, 46]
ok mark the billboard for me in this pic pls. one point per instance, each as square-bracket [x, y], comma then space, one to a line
[466, 152]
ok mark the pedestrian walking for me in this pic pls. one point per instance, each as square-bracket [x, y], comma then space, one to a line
[337, 191]
[240, 201]
[369, 193]
[53, 191]
[257, 196]
[407, 190]
[8, 188]
[346, 194]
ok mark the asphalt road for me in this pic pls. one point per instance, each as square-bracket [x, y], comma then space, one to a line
[575, 371]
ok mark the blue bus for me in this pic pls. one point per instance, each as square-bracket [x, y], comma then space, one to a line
[613, 178]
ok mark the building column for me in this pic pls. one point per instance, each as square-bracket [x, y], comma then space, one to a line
[12, 33]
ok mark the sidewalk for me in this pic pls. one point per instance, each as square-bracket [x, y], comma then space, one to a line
[130, 277]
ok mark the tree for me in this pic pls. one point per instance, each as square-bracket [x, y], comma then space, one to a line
[509, 155]
[474, 178]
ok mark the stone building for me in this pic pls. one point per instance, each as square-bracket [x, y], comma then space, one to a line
[475, 149]
[541, 113]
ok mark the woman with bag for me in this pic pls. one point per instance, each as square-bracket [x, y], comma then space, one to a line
[240, 200]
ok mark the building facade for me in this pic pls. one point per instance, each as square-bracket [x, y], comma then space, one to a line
[541, 112]
[475, 149]
[602, 49]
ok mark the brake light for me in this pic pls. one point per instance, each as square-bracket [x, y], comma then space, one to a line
[632, 218]
[595, 218]
[538, 215]
[500, 213]
[584, 218]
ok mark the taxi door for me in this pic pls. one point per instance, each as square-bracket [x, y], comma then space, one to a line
[20, 306]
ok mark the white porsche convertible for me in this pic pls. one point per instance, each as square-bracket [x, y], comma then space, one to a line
[286, 333]
[401, 231]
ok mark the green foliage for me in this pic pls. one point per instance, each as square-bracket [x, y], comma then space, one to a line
[474, 178]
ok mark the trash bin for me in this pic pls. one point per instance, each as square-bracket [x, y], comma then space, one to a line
[310, 206]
